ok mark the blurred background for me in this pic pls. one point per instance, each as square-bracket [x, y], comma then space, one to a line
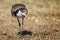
[43, 20]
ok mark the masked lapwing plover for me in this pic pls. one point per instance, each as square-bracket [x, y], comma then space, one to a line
[19, 11]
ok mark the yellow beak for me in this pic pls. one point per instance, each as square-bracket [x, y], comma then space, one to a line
[24, 14]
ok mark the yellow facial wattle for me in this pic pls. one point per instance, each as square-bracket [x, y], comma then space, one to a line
[24, 14]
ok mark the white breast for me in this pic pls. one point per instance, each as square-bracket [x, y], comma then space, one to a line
[19, 14]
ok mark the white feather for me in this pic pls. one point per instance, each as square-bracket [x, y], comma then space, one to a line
[19, 14]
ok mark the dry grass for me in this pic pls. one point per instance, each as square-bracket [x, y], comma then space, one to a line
[43, 20]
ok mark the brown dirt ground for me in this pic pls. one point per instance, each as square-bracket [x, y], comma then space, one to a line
[43, 20]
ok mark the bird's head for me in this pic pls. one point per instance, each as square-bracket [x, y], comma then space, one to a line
[24, 13]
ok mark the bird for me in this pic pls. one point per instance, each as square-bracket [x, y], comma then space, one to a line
[19, 11]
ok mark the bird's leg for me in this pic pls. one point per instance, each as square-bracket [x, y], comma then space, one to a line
[19, 24]
[22, 26]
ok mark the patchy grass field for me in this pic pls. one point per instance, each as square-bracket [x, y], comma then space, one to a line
[43, 20]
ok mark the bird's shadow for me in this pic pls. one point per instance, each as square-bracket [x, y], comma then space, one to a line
[25, 32]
